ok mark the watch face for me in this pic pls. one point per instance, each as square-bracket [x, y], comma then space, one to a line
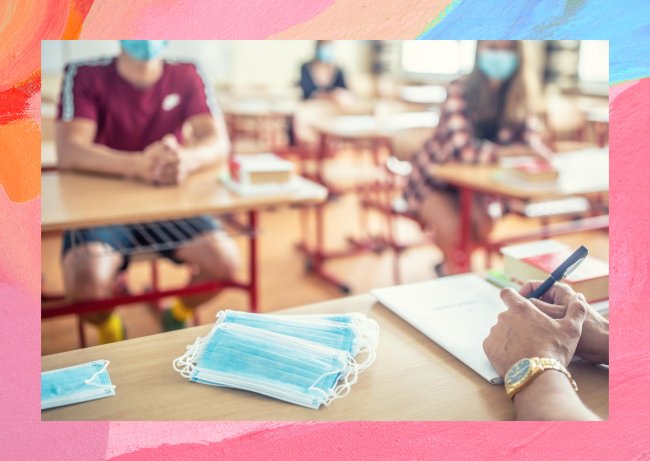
[518, 371]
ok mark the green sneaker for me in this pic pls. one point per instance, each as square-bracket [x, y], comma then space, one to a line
[170, 323]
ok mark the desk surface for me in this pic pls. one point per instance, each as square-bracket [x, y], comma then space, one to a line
[48, 155]
[424, 94]
[581, 173]
[371, 126]
[259, 107]
[412, 379]
[72, 200]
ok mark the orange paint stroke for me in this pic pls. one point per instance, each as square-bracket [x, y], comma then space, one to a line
[20, 163]
[368, 19]
[78, 11]
[23, 24]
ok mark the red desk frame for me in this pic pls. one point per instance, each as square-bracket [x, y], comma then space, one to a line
[56, 306]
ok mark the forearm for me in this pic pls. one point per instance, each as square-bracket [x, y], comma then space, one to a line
[210, 150]
[550, 397]
[95, 158]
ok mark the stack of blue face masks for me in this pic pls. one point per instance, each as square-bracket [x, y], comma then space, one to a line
[80, 383]
[308, 360]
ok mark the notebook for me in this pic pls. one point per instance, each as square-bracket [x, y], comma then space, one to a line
[456, 312]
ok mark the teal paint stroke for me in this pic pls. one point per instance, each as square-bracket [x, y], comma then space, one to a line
[625, 23]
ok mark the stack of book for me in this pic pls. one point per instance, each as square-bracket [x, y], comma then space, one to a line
[260, 174]
[535, 261]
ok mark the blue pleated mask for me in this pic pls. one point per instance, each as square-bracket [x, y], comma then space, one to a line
[279, 366]
[353, 333]
[80, 383]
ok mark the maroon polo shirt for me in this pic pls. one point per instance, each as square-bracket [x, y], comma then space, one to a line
[130, 118]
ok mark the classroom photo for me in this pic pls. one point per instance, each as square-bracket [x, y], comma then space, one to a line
[303, 230]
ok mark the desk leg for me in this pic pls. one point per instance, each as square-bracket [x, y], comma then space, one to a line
[252, 260]
[463, 254]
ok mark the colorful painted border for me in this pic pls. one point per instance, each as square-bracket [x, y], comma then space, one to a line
[23, 23]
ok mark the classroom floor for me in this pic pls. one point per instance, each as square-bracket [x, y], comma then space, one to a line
[290, 286]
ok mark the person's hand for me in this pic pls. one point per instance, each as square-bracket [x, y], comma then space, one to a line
[523, 331]
[147, 165]
[172, 166]
[594, 340]
[162, 162]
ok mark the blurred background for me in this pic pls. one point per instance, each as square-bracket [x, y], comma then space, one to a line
[257, 85]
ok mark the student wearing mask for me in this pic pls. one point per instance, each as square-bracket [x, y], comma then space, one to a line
[139, 117]
[532, 344]
[321, 77]
[487, 114]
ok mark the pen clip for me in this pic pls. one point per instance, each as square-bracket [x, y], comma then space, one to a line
[573, 267]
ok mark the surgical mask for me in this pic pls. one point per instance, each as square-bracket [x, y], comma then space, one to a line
[144, 50]
[325, 53]
[279, 366]
[498, 64]
[80, 383]
[353, 333]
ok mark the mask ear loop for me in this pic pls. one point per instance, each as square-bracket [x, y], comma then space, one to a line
[186, 363]
[349, 379]
[97, 373]
[221, 317]
[349, 368]
[366, 341]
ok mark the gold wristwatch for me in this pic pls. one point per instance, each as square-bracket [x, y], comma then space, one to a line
[522, 373]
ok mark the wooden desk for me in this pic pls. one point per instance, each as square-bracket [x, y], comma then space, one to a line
[374, 133]
[580, 173]
[72, 200]
[426, 95]
[583, 173]
[412, 379]
[267, 118]
[360, 127]
[49, 160]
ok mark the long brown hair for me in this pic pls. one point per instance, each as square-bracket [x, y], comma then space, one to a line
[509, 105]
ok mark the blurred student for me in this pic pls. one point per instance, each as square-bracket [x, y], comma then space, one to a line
[555, 328]
[137, 116]
[486, 115]
[321, 77]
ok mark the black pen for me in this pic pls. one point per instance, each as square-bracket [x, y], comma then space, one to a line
[568, 266]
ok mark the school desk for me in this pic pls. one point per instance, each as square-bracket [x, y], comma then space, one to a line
[72, 201]
[598, 122]
[412, 379]
[424, 95]
[49, 160]
[263, 117]
[581, 173]
[363, 133]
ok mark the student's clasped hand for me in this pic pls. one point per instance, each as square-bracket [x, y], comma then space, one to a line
[594, 340]
[524, 331]
[163, 162]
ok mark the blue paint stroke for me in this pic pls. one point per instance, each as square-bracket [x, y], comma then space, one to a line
[625, 23]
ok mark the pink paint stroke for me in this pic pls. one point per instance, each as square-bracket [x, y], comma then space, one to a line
[20, 244]
[192, 19]
[127, 437]
[22, 435]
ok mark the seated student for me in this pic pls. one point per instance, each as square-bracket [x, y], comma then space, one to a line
[486, 115]
[137, 116]
[555, 327]
[321, 77]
